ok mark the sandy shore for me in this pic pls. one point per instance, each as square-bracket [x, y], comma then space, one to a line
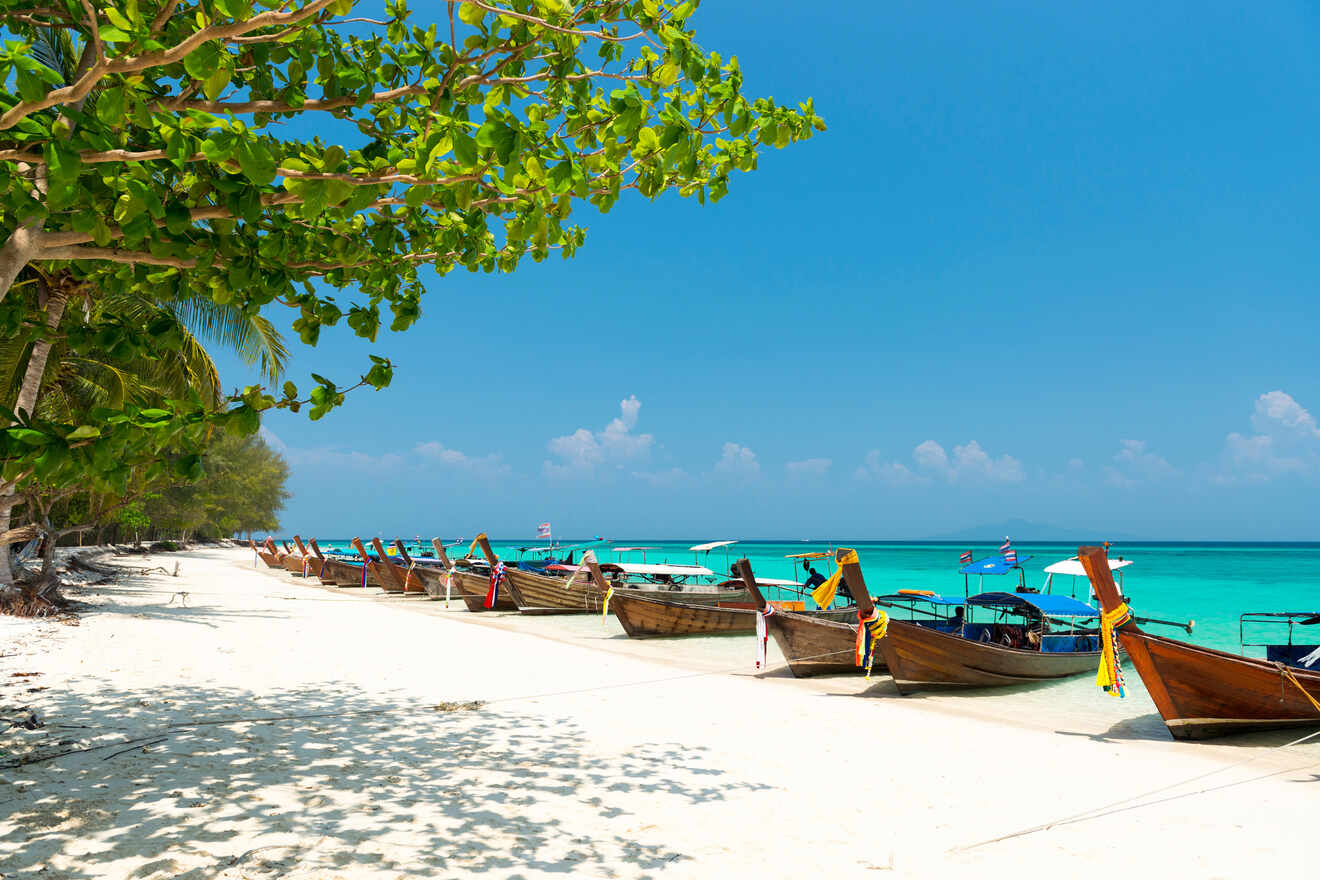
[592, 755]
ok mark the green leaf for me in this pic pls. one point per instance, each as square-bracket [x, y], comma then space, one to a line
[256, 161]
[465, 148]
[203, 61]
[470, 14]
[214, 85]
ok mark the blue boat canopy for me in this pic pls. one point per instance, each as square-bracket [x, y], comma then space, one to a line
[928, 598]
[992, 565]
[1046, 603]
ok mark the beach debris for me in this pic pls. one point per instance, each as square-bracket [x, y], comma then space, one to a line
[28, 722]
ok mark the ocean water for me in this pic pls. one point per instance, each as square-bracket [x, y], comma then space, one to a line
[1212, 584]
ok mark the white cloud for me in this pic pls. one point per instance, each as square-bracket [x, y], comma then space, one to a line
[738, 460]
[1286, 442]
[969, 463]
[486, 465]
[810, 468]
[1277, 413]
[583, 450]
[1134, 464]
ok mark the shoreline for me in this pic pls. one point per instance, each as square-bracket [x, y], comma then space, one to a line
[596, 754]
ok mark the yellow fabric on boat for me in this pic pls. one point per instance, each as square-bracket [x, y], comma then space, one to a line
[475, 541]
[824, 594]
[1110, 675]
[870, 630]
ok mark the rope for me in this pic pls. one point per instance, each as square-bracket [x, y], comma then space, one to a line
[1287, 673]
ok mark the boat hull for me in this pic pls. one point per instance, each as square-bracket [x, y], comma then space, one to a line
[1203, 693]
[920, 657]
[649, 617]
[812, 646]
[542, 594]
[472, 588]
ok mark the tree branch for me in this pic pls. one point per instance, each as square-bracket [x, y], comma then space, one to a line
[135, 63]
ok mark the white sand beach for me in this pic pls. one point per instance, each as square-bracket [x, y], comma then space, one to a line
[294, 733]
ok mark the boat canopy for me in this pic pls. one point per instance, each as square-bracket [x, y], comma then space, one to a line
[992, 565]
[776, 582]
[1074, 567]
[1046, 603]
[657, 568]
[632, 549]
[702, 548]
[819, 554]
[920, 596]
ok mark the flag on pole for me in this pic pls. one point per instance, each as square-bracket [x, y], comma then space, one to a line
[966, 557]
[543, 530]
[1010, 555]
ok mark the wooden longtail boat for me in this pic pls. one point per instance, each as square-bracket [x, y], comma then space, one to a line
[547, 594]
[376, 573]
[267, 553]
[291, 561]
[1202, 692]
[401, 579]
[646, 616]
[335, 572]
[920, 656]
[430, 578]
[472, 585]
[812, 645]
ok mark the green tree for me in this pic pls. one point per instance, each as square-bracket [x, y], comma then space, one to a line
[460, 143]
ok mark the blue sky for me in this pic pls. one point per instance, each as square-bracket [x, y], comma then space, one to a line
[1048, 263]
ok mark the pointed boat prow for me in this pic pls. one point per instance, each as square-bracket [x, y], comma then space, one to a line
[1095, 562]
[744, 569]
[484, 543]
[439, 547]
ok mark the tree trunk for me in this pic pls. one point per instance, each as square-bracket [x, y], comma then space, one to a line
[27, 400]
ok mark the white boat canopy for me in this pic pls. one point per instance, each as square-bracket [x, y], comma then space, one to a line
[1074, 567]
[776, 582]
[657, 568]
[632, 549]
[702, 548]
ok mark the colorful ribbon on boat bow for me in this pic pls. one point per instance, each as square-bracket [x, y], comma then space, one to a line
[870, 630]
[449, 582]
[364, 574]
[496, 578]
[824, 594]
[762, 633]
[322, 570]
[1110, 675]
[605, 606]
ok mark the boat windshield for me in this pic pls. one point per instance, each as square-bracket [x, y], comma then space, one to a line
[1288, 637]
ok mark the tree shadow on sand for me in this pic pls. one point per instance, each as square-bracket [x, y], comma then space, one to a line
[345, 782]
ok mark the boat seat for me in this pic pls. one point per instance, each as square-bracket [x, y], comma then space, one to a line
[1292, 655]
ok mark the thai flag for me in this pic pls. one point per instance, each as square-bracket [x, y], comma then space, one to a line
[966, 557]
[1006, 546]
[543, 530]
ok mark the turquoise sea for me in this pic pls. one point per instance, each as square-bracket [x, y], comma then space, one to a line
[1211, 583]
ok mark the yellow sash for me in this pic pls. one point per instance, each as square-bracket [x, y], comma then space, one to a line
[824, 594]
